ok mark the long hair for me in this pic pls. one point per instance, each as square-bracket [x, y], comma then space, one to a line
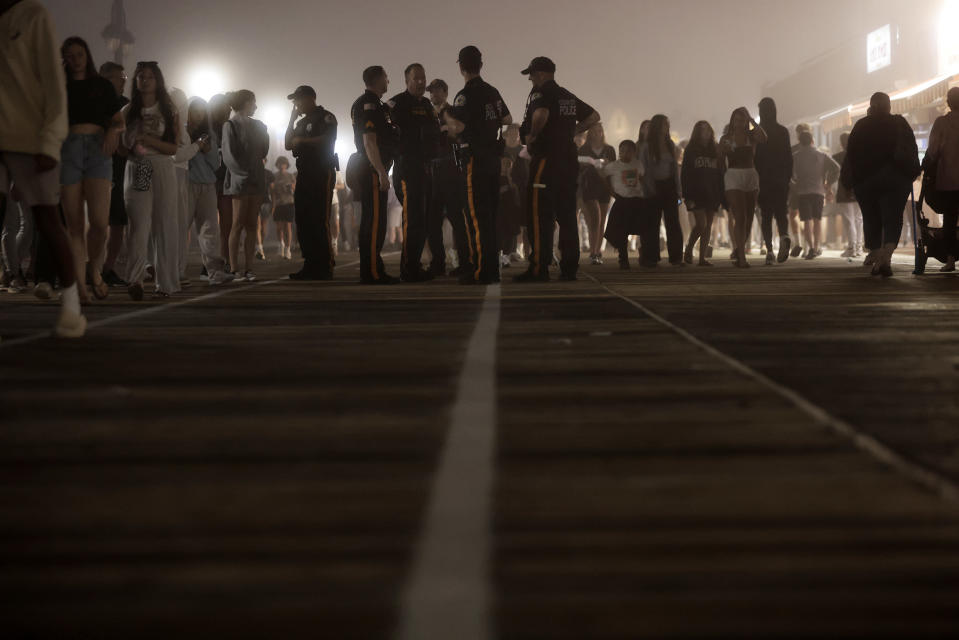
[204, 124]
[91, 69]
[163, 100]
[591, 136]
[641, 138]
[219, 109]
[731, 130]
[696, 139]
[657, 132]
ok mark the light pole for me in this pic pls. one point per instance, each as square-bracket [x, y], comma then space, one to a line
[118, 37]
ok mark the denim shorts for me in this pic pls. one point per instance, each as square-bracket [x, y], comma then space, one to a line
[82, 158]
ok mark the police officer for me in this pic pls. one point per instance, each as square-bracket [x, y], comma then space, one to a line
[419, 128]
[477, 114]
[376, 141]
[445, 199]
[553, 117]
[311, 136]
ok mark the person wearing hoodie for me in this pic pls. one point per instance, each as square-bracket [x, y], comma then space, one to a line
[774, 163]
[33, 126]
[882, 160]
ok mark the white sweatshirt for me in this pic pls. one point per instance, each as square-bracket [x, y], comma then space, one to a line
[33, 98]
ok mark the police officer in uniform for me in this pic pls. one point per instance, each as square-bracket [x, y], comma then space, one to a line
[553, 117]
[376, 140]
[446, 199]
[413, 114]
[311, 136]
[476, 117]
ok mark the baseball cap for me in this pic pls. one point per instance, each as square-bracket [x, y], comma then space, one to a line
[302, 91]
[470, 53]
[539, 63]
[438, 84]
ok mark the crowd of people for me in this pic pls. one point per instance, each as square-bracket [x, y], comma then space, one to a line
[101, 190]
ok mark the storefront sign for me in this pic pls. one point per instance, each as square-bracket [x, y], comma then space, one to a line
[879, 49]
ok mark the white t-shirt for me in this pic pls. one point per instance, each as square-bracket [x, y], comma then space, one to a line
[626, 178]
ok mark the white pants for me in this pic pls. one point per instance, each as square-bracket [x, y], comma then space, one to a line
[201, 209]
[184, 220]
[153, 225]
[17, 236]
[852, 218]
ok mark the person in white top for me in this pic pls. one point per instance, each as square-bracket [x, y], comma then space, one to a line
[150, 188]
[625, 178]
[943, 153]
[33, 126]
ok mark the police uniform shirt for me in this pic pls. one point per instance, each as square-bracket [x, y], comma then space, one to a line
[565, 111]
[370, 115]
[481, 109]
[418, 126]
[317, 123]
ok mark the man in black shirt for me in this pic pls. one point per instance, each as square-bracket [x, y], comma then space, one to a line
[312, 139]
[774, 163]
[553, 117]
[376, 142]
[477, 114]
[419, 129]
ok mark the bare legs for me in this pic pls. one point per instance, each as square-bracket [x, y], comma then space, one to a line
[702, 231]
[96, 194]
[246, 214]
[742, 207]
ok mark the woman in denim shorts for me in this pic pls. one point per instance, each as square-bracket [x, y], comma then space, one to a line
[86, 172]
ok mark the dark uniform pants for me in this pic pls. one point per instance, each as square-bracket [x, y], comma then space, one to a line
[411, 182]
[313, 204]
[551, 198]
[372, 225]
[481, 189]
[446, 200]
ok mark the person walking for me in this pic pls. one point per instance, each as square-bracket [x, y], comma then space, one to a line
[848, 208]
[813, 172]
[882, 161]
[774, 164]
[658, 156]
[625, 178]
[702, 182]
[741, 180]
[596, 196]
[942, 158]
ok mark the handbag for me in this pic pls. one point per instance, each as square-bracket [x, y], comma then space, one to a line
[142, 175]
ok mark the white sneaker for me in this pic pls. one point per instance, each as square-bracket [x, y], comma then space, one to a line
[220, 277]
[43, 291]
[70, 325]
[17, 285]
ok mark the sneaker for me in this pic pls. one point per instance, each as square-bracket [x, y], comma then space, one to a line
[136, 291]
[784, 244]
[810, 254]
[688, 254]
[770, 259]
[595, 260]
[259, 255]
[17, 285]
[504, 261]
[248, 276]
[43, 291]
[796, 252]
[151, 274]
[848, 253]
[871, 259]
[515, 257]
[219, 277]
[112, 279]
[948, 267]
[70, 325]
[705, 263]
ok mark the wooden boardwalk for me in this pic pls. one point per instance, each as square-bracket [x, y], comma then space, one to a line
[258, 464]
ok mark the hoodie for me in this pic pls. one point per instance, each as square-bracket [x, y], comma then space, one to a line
[774, 158]
[33, 99]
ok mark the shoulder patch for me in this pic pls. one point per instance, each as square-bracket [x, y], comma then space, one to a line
[391, 104]
[369, 106]
[535, 96]
[329, 118]
[460, 101]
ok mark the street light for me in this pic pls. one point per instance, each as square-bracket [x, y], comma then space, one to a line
[118, 37]
[206, 82]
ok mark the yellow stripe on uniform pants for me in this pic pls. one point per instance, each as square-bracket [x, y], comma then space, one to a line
[376, 224]
[536, 239]
[329, 214]
[472, 208]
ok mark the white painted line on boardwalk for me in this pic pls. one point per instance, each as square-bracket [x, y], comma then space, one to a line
[226, 290]
[932, 480]
[448, 596]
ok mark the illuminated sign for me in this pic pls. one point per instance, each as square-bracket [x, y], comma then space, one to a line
[879, 49]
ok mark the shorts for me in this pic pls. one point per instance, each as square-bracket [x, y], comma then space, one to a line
[265, 209]
[741, 180]
[810, 206]
[284, 213]
[35, 189]
[82, 158]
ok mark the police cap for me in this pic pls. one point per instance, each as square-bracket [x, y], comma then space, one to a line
[540, 63]
[302, 91]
